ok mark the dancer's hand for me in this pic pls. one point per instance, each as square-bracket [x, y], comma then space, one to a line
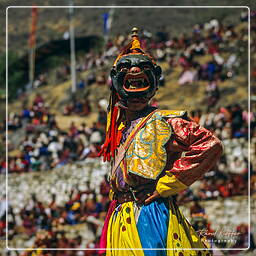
[154, 196]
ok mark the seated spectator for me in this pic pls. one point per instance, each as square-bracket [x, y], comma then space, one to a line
[213, 94]
[68, 109]
[72, 129]
[187, 77]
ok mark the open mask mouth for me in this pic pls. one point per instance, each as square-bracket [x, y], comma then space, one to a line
[136, 82]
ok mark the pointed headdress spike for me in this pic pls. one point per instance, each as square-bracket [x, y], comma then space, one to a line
[135, 32]
[135, 41]
[133, 47]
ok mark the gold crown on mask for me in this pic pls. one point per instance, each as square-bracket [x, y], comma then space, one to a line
[134, 47]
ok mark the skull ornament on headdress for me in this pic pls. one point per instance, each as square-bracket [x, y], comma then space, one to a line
[134, 75]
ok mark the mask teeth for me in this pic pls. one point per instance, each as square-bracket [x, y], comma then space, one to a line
[135, 83]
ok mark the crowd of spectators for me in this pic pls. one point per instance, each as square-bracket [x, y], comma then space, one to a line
[47, 147]
[230, 237]
[79, 107]
[52, 210]
[82, 207]
[210, 53]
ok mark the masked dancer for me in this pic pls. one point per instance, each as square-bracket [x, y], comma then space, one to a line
[155, 154]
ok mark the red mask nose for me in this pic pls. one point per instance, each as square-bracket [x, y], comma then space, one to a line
[135, 70]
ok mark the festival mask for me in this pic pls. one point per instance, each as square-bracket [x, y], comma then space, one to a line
[135, 76]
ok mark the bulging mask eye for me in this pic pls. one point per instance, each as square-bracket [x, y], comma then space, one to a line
[123, 69]
[147, 67]
[123, 66]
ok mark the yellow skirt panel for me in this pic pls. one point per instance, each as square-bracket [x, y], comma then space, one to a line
[123, 234]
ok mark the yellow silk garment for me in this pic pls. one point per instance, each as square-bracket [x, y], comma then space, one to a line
[169, 185]
[182, 235]
[122, 234]
[146, 155]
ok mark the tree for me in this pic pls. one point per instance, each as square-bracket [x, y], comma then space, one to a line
[16, 74]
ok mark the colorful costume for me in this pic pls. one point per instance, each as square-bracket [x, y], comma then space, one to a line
[152, 161]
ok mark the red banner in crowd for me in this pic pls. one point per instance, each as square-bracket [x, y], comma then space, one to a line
[32, 36]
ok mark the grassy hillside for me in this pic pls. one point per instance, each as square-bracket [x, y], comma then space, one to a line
[52, 24]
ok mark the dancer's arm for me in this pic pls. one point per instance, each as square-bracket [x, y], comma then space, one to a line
[202, 151]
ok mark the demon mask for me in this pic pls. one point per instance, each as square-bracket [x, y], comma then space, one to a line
[135, 76]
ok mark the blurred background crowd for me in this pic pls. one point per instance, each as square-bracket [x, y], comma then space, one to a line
[57, 184]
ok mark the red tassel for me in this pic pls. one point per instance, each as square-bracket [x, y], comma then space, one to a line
[113, 133]
[112, 137]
